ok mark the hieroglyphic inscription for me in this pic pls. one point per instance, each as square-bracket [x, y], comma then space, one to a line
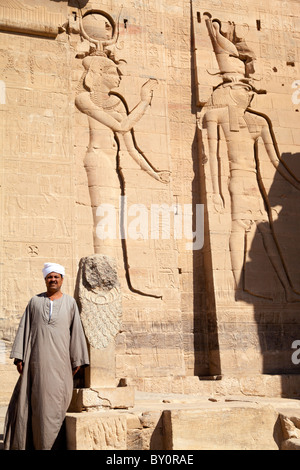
[21, 16]
[36, 145]
[35, 108]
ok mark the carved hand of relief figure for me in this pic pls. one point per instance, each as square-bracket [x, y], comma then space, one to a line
[148, 89]
[164, 176]
[218, 203]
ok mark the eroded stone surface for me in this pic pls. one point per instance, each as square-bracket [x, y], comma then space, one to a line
[100, 298]
[171, 130]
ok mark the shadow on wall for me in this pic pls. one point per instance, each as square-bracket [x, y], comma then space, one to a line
[202, 340]
[201, 335]
[278, 321]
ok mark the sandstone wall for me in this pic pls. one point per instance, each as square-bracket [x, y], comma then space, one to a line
[250, 256]
[181, 315]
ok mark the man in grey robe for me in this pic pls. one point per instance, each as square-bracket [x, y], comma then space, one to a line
[49, 348]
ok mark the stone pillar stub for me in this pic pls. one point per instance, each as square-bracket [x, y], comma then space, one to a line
[100, 302]
[102, 370]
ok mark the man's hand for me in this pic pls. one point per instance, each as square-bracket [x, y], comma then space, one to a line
[19, 365]
[75, 370]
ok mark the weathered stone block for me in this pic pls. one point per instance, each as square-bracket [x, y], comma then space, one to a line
[234, 428]
[102, 397]
[96, 431]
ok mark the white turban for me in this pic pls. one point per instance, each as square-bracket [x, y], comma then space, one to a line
[53, 268]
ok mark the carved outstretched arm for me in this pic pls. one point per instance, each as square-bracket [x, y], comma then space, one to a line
[86, 106]
[126, 123]
[136, 114]
[162, 176]
[138, 157]
[133, 117]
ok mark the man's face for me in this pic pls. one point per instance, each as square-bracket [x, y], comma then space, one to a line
[53, 282]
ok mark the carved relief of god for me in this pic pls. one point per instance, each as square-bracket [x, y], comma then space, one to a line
[229, 110]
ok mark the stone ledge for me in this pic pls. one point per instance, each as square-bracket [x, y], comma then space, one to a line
[228, 428]
[90, 399]
[262, 385]
[217, 426]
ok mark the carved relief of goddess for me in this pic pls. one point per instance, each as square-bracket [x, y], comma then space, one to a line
[111, 135]
[110, 130]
